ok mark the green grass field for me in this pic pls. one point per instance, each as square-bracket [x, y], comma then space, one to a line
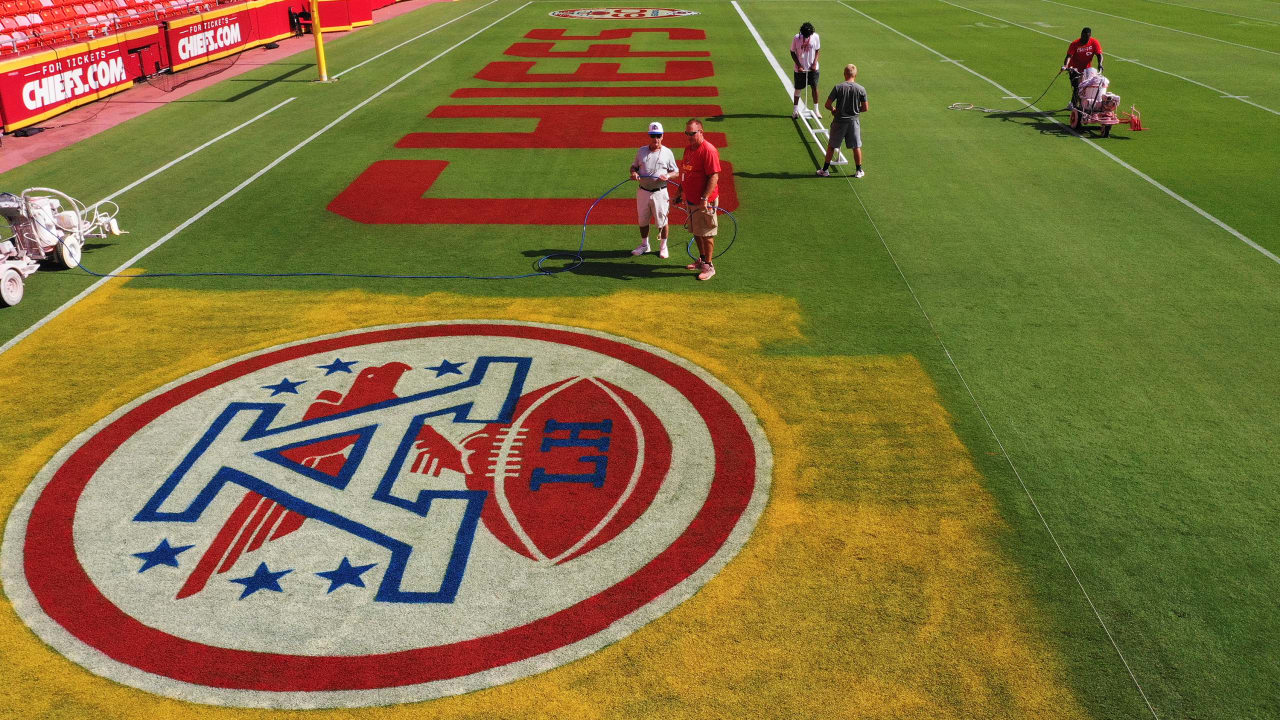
[1100, 317]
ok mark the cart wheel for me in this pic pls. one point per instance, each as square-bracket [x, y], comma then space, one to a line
[1075, 120]
[1106, 130]
[10, 287]
[69, 251]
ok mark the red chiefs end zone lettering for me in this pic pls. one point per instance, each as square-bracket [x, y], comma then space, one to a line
[544, 50]
[559, 126]
[557, 34]
[674, 71]
[386, 515]
[390, 192]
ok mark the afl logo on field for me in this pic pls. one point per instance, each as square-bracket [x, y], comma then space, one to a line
[386, 515]
[621, 13]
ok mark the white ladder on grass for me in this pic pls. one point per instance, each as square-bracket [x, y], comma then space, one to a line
[820, 133]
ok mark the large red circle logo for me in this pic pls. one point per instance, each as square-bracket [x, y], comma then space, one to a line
[621, 13]
[386, 515]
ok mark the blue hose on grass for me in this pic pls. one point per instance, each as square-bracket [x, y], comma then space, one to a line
[582, 243]
[539, 271]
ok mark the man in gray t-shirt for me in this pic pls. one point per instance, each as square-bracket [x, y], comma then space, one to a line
[846, 102]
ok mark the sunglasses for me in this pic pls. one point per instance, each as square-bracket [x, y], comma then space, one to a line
[692, 134]
[655, 135]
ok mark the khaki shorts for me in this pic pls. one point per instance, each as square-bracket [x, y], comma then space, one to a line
[702, 221]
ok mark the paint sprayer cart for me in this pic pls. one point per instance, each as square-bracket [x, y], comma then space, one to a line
[47, 225]
[1094, 105]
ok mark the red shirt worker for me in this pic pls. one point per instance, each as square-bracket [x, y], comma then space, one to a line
[1080, 54]
[700, 173]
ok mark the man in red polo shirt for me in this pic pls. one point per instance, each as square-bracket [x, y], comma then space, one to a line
[1080, 54]
[700, 173]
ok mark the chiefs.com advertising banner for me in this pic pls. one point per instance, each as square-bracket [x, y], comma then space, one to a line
[36, 87]
[209, 36]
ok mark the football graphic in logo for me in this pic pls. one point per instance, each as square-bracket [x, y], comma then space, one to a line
[386, 515]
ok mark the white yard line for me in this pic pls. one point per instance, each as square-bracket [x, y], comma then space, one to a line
[1162, 27]
[1221, 93]
[186, 155]
[1215, 12]
[415, 37]
[807, 118]
[234, 191]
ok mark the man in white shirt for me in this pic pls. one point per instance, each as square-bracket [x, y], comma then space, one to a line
[805, 48]
[653, 167]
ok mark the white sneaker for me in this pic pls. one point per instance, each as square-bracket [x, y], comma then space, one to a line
[662, 252]
[817, 114]
[795, 111]
[644, 248]
[860, 173]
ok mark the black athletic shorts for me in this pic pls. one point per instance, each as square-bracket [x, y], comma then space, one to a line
[809, 78]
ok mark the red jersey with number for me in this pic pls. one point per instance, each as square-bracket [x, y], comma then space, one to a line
[1081, 54]
[696, 167]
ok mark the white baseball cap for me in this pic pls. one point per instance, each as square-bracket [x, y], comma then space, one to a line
[655, 128]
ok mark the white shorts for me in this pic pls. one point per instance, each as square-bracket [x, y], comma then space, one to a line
[652, 206]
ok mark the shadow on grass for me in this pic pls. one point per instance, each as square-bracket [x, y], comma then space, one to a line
[260, 83]
[802, 132]
[1044, 122]
[615, 264]
[744, 116]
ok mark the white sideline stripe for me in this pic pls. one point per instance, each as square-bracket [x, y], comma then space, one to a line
[1222, 93]
[184, 156]
[45, 320]
[1216, 12]
[773, 62]
[838, 158]
[1162, 27]
[1009, 459]
[415, 37]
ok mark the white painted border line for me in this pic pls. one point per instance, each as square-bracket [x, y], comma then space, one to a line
[186, 155]
[787, 84]
[1162, 27]
[1222, 93]
[1215, 12]
[419, 36]
[773, 62]
[234, 191]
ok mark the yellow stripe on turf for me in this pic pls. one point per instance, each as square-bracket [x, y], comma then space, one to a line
[873, 586]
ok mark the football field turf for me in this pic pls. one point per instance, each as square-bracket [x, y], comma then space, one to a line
[1019, 386]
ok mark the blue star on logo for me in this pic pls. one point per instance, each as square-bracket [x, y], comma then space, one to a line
[346, 574]
[448, 368]
[164, 554]
[338, 365]
[261, 579]
[284, 386]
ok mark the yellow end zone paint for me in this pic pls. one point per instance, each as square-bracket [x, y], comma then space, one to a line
[872, 586]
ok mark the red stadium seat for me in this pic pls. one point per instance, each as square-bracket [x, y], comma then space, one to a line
[8, 23]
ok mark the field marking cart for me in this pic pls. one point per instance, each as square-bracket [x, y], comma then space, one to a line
[47, 225]
[1093, 104]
